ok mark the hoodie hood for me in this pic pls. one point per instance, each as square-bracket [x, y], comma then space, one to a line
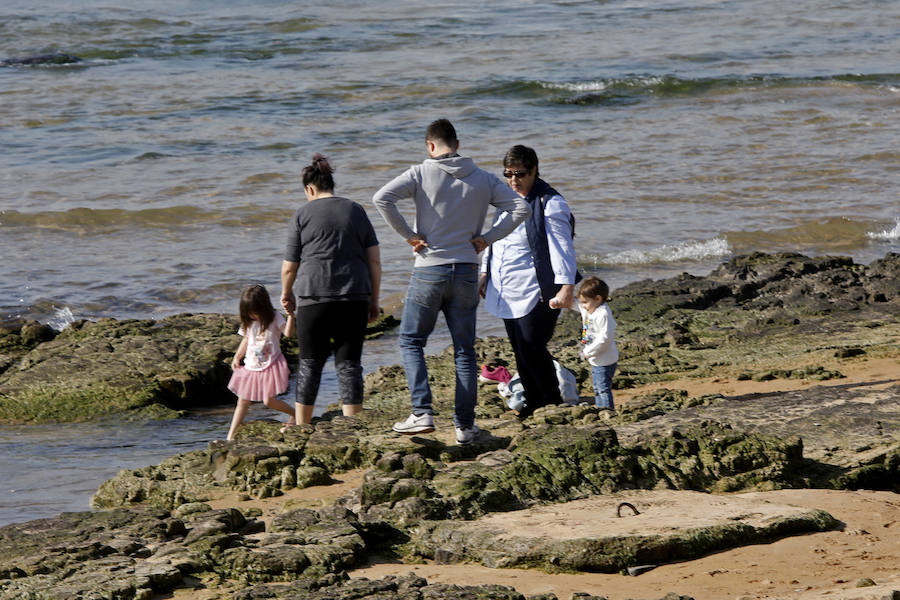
[455, 166]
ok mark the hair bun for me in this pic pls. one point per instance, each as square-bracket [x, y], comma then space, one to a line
[321, 163]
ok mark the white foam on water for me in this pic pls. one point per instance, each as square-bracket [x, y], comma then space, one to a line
[599, 86]
[61, 319]
[685, 251]
[890, 235]
[591, 86]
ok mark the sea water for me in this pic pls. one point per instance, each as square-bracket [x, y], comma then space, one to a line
[157, 173]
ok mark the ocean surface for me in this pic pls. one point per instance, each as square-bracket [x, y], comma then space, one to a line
[156, 174]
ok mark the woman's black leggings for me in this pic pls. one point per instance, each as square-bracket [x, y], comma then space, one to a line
[327, 327]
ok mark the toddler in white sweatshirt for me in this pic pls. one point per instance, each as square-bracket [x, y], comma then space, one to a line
[598, 338]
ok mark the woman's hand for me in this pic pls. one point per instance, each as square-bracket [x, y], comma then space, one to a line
[288, 275]
[288, 302]
[482, 284]
[375, 311]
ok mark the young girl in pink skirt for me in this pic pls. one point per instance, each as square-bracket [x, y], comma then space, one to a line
[265, 372]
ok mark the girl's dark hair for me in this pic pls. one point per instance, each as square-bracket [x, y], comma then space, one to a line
[255, 301]
[592, 287]
[521, 156]
[318, 174]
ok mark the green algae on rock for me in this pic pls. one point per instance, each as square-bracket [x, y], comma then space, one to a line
[18, 337]
[134, 553]
[137, 368]
[101, 553]
[108, 367]
[410, 587]
[562, 458]
[754, 310]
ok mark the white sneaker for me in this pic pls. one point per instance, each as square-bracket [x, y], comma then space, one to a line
[516, 401]
[414, 424]
[465, 436]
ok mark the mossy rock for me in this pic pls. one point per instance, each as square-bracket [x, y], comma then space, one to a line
[590, 536]
[108, 367]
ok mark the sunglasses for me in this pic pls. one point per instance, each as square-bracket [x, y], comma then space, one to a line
[511, 174]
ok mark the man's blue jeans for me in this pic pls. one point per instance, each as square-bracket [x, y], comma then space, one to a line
[453, 290]
[601, 377]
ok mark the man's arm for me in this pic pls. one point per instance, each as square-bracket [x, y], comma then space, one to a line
[385, 200]
[514, 210]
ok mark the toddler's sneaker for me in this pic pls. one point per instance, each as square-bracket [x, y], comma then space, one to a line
[516, 401]
[465, 436]
[494, 374]
[414, 424]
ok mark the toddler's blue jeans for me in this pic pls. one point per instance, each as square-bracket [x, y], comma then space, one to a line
[601, 377]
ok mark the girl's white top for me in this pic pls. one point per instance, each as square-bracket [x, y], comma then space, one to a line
[263, 347]
[598, 336]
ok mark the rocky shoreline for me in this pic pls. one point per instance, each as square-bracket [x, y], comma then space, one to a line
[132, 369]
[757, 318]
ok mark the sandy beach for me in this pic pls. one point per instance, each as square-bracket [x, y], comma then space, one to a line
[822, 565]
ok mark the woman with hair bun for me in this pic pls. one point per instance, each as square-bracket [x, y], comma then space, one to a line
[332, 256]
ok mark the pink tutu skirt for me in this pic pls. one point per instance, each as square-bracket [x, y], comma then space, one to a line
[257, 386]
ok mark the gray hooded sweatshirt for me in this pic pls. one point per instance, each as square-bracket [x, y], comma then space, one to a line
[452, 196]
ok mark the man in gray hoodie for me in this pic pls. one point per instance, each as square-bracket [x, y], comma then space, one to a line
[452, 197]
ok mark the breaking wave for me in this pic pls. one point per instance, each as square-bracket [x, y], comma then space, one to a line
[683, 252]
[889, 235]
[640, 87]
[61, 319]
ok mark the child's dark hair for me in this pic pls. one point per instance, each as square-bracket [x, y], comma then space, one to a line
[318, 174]
[256, 301]
[593, 287]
